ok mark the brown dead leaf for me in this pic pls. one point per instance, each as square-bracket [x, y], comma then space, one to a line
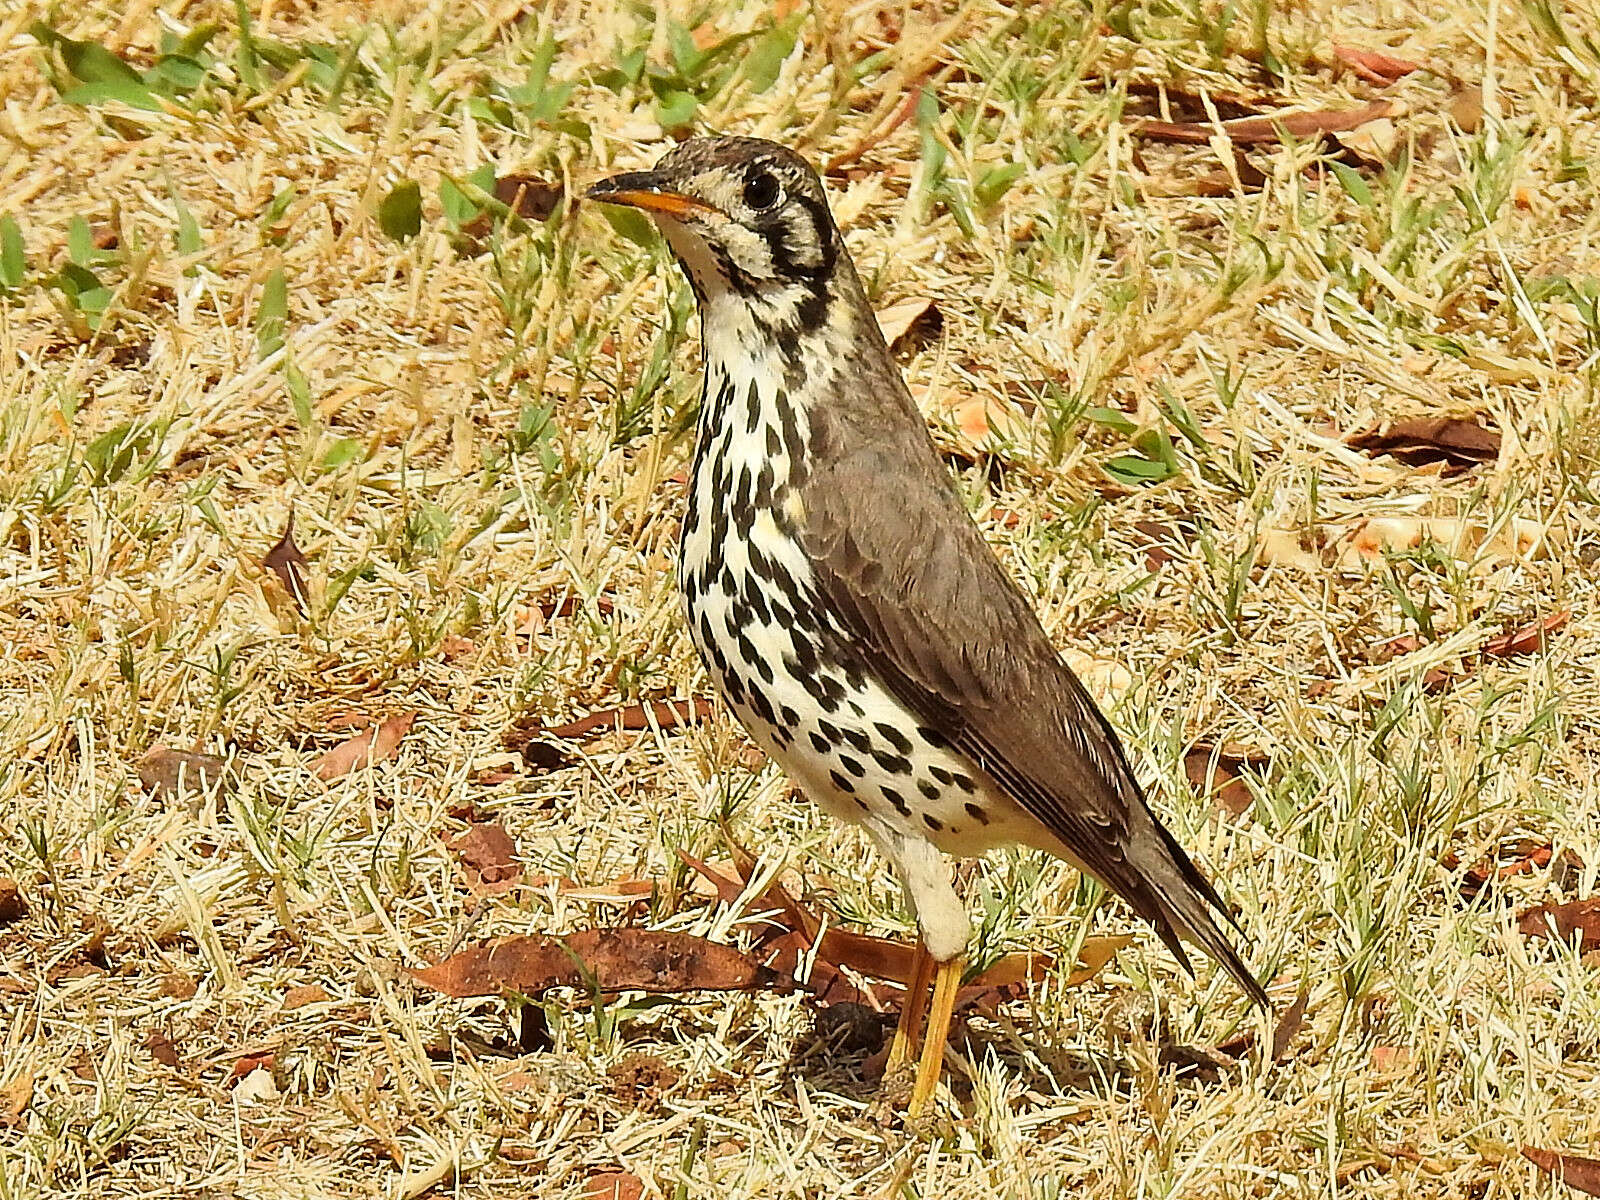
[489, 854]
[1458, 442]
[1366, 540]
[367, 748]
[984, 421]
[613, 1185]
[1009, 977]
[618, 891]
[879, 957]
[1373, 66]
[1270, 128]
[1373, 143]
[14, 1100]
[287, 562]
[1245, 176]
[165, 771]
[163, 1050]
[667, 714]
[454, 647]
[1561, 921]
[569, 604]
[918, 315]
[1527, 639]
[613, 959]
[640, 1077]
[1163, 543]
[1391, 1059]
[248, 1064]
[177, 986]
[528, 734]
[1465, 106]
[866, 954]
[1525, 857]
[303, 995]
[728, 889]
[1170, 99]
[838, 164]
[1580, 1174]
[12, 906]
[1396, 647]
[1215, 771]
[1289, 1025]
[528, 195]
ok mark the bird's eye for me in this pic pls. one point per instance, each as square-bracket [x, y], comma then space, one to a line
[761, 191]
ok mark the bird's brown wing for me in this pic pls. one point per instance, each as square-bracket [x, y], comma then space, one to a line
[917, 590]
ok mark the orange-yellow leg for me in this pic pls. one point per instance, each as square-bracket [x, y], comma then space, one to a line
[946, 981]
[912, 1008]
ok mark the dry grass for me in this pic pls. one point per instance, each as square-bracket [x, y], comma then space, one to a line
[153, 446]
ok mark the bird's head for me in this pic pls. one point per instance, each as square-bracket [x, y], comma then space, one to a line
[747, 219]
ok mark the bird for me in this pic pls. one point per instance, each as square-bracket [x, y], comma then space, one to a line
[848, 608]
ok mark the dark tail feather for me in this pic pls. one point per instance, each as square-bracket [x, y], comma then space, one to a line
[1185, 902]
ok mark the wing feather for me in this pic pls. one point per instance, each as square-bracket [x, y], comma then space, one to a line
[916, 588]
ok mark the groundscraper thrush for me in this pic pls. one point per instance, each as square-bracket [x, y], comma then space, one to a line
[848, 608]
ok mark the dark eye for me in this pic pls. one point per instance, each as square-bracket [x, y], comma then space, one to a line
[761, 191]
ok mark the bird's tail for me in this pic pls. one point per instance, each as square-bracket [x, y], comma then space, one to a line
[1186, 906]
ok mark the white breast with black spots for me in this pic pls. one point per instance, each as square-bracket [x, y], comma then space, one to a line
[800, 688]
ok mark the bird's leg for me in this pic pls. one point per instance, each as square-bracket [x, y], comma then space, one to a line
[912, 1009]
[946, 981]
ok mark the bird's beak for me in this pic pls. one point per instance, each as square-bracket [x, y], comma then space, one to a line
[650, 191]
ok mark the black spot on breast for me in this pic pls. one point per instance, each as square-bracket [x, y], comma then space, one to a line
[840, 782]
[858, 740]
[893, 736]
[805, 653]
[712, 564]
[977, 813]
[741, 505]
[966, 784]
[762, 707]
[930, 790]
[789, 586]
[790, 717]
[932, 822]
[892, 764]
[853, 765]
[820, 744]
[719, 660]
[943, 776]
[755, 600]
[933, 737]
[752, 401]
[826, 691]
[896, 799]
